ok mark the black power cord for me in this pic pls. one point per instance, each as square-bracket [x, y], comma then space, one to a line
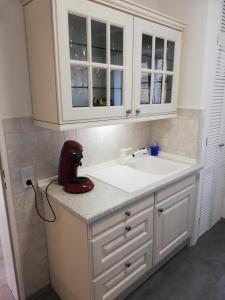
[30, 183]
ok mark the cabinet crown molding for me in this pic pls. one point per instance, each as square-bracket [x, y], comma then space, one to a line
[142, 11]
[139, 10]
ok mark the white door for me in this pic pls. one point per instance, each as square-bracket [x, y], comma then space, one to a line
[95, 54]
[156, 68]
[212, 194]
[172, 222]
[219, 185]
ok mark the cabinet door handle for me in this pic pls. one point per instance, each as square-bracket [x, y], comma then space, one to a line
[128, 264]
[221, 145]
[128, 111]
[138, 111]
[160, 210]
[128, 228]
[127, 213]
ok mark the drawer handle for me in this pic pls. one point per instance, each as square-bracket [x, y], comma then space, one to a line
[127, 213]
[160, 210]
[128, 264]
[138, 111]
[128, 228]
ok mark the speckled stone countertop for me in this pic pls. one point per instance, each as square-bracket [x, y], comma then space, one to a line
[105, 199]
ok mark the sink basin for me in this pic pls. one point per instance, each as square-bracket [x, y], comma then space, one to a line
[138, 173]
[157, 165]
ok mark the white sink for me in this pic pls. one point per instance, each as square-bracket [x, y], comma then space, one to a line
[157, 165]
[138, 173]
[124, 177]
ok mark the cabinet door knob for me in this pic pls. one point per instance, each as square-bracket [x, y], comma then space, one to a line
[160, 210]
[127, 264]
[128, 111]
[128, 228]
[138, 111]
[127, 213]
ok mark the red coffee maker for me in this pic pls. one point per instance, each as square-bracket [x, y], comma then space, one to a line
[70, 160]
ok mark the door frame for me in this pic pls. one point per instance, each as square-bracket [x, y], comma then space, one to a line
[10, 216]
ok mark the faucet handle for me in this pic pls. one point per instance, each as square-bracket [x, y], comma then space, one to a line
[123, 155]
[123, 151]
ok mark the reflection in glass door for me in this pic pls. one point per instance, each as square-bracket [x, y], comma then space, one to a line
[79, 85]
[98, 41]
[78, 37]
[99, 87]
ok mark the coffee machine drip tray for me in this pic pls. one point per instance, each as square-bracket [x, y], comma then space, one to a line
[79, 185]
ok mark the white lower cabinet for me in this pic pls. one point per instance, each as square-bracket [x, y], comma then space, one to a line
[172, 222]
[101, 260]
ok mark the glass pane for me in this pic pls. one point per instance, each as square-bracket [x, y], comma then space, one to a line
[170, 56]
[79, 85]
[168, 88]
[146, 61]
[145, 88]
[98, 38]
[99, 87]
[116, 45]
[157, 89]
[159, 52]
[77, 37]
[116, 97]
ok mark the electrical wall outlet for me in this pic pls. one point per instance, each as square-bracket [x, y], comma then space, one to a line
[27, 173]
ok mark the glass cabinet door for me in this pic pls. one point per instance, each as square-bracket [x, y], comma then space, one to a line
[156, 52]
[101, 82]
[157, 70]
[98, 82]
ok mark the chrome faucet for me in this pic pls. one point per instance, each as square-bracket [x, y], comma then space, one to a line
[140, 152]
[124, 157]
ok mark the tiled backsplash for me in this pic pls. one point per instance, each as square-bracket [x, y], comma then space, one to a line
[40, 148]
[180, 135]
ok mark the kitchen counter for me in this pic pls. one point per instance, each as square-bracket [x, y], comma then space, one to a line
[105, 199]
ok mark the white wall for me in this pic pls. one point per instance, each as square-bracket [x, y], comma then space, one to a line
[14, 81]
[194, 14]
[153, 4]
[6, 245]
[1, 255]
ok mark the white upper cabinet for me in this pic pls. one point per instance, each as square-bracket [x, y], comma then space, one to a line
[92, 64]
[156, 68]
[95, 61]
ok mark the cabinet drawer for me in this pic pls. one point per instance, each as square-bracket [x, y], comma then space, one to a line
[121, 215]
[117, 242]
[113, 282]
[174, 188]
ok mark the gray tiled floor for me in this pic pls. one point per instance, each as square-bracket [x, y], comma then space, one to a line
[196, 273]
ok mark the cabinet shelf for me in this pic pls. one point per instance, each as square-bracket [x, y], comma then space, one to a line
[95, 87]
[95, 47]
